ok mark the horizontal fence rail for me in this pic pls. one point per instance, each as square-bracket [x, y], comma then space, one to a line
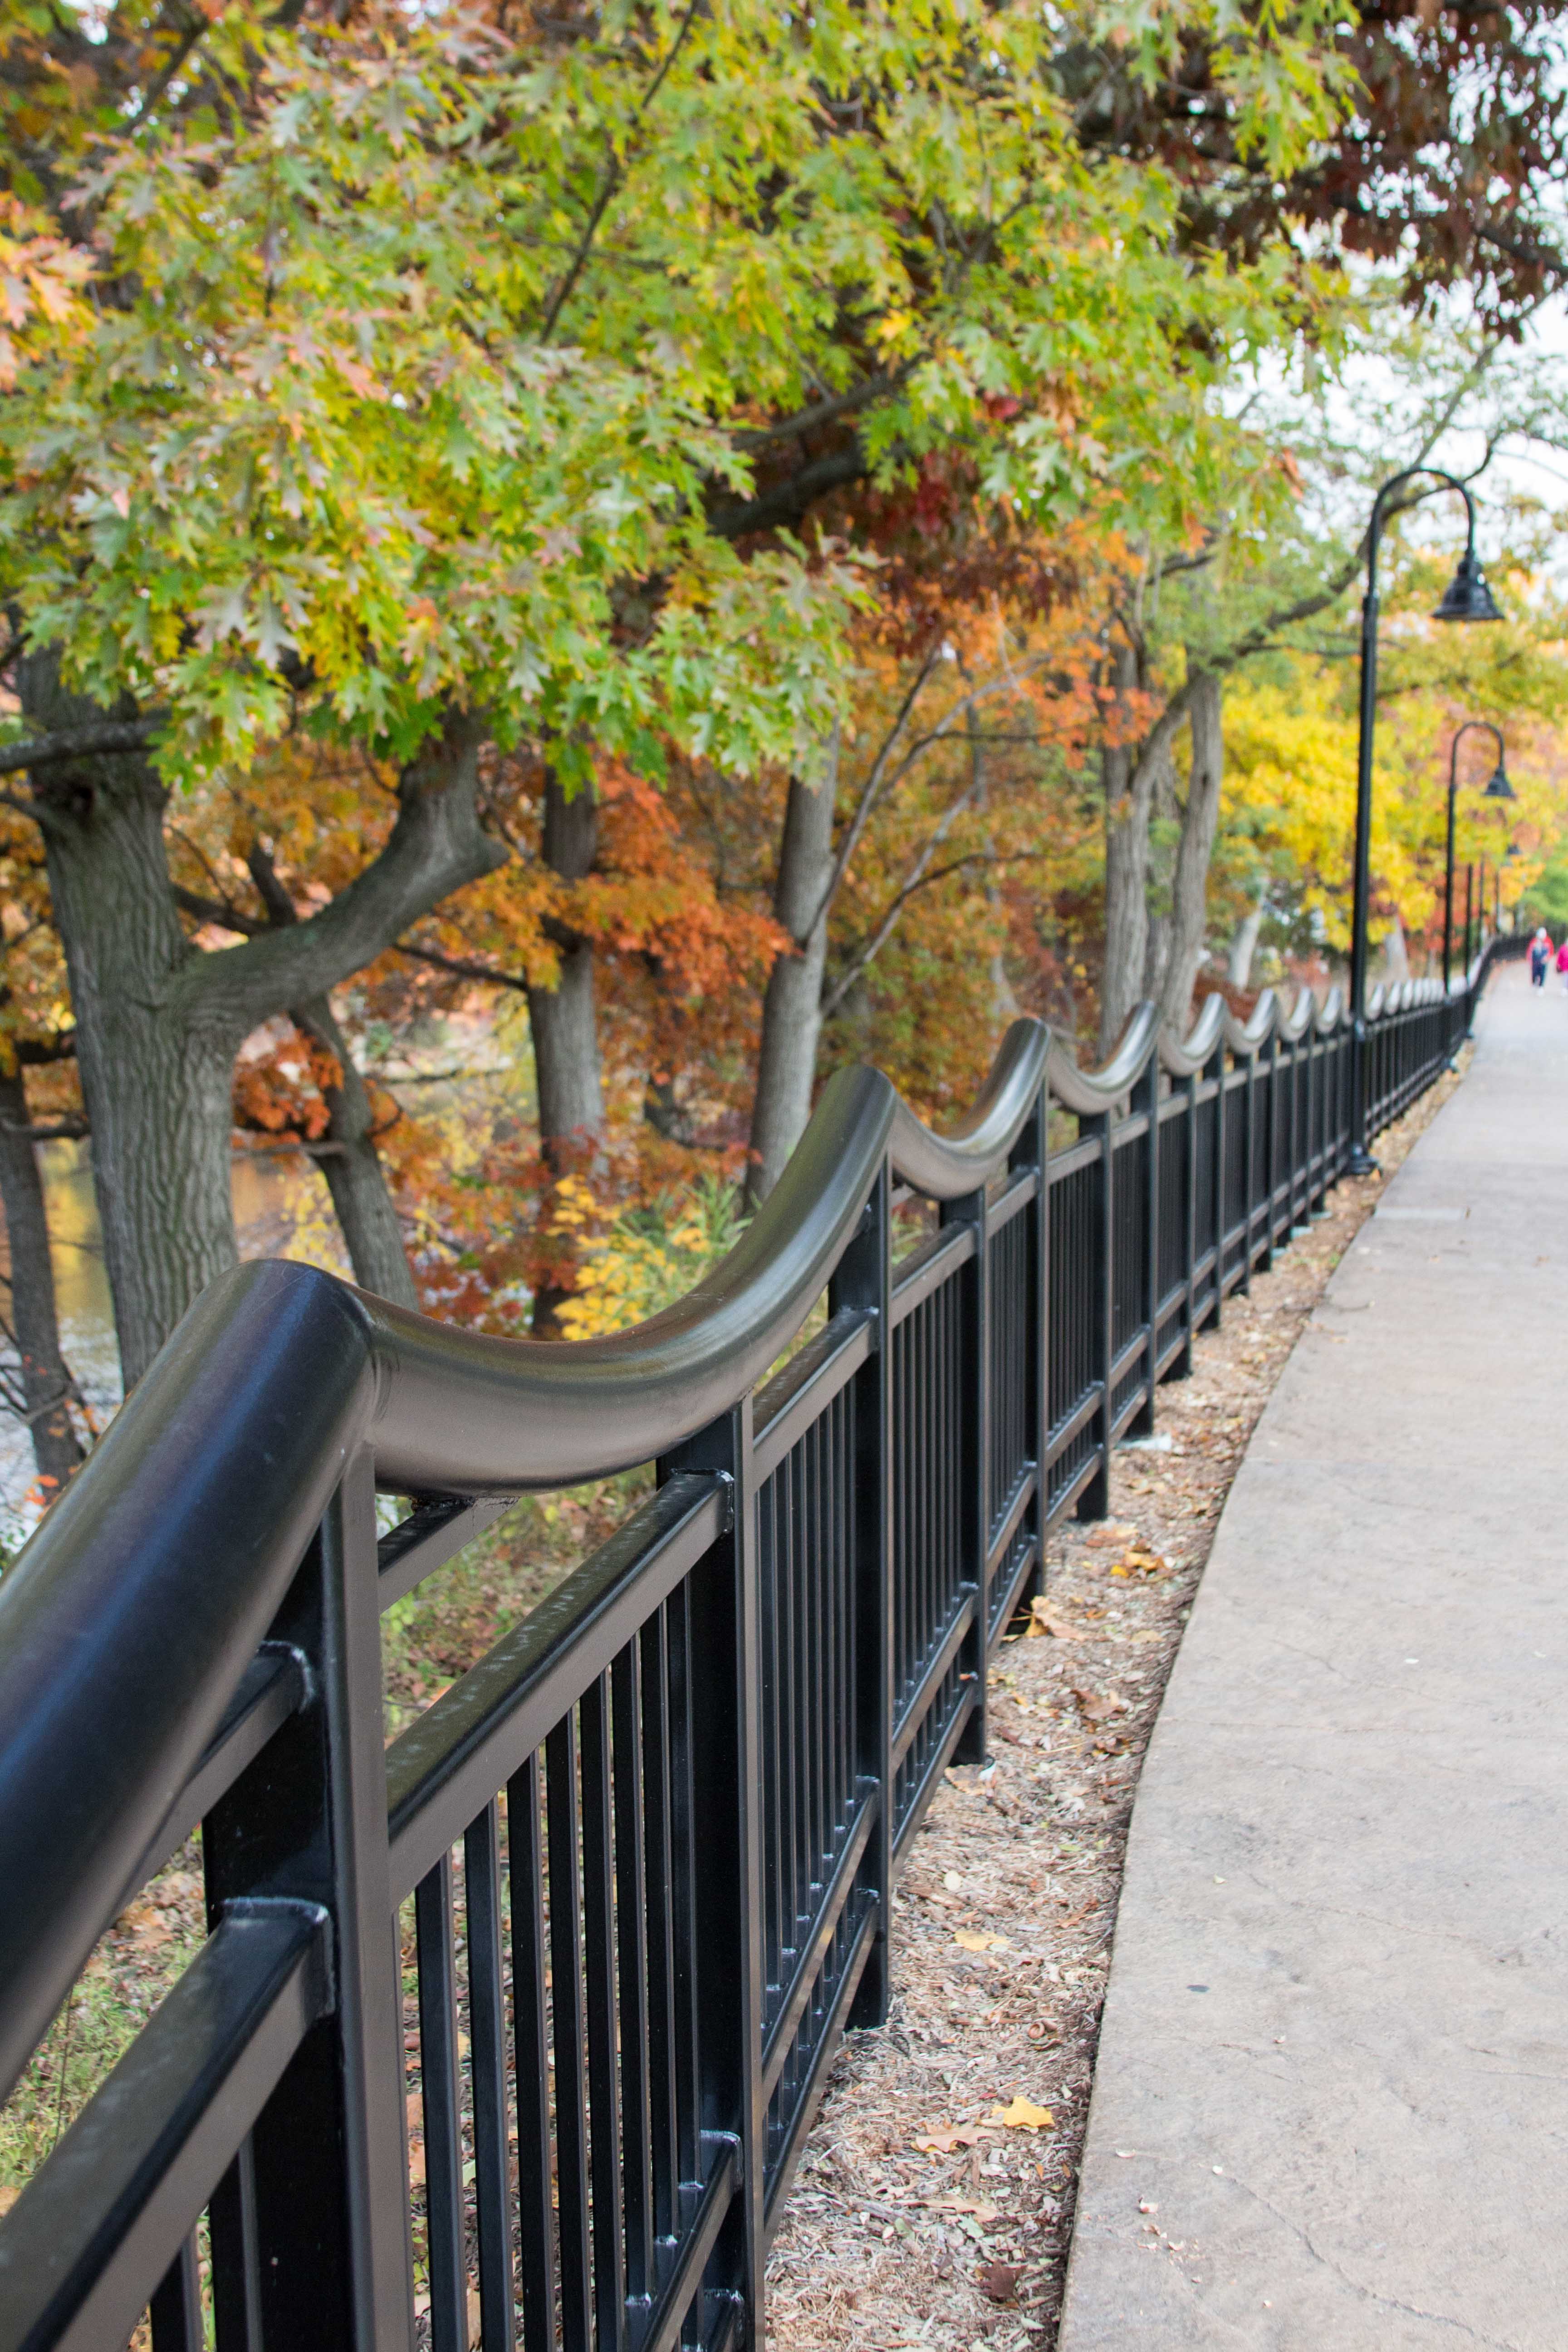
[597, 1920]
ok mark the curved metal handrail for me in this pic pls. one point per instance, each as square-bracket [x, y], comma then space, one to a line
[1249, 1037]
[945, 1167]
[1091, 1093]
[1184, 1057]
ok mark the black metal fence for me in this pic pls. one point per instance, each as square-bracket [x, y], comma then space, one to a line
[650, 1838]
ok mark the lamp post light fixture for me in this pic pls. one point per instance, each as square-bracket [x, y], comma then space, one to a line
[1466, 598]
[1498, 789]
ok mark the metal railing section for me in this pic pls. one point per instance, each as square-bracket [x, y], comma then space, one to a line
[649, 1841]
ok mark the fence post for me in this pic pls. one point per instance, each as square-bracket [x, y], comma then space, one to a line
[1032, 1149]
[975, 1480]
[1248, 1162]
[1148, 1099]
[310, 2225]
[727, 1798]
[1270, 1139]
[1215, 1068]
[1182, 1366]
[1094, 1502]
[864, 1278]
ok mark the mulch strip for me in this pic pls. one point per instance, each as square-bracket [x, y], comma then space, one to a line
[933, 2202]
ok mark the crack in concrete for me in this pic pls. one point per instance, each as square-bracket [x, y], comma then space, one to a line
[1367, 2293]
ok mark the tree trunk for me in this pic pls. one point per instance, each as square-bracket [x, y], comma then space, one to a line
[564, 1027]
[792, 1008]
[351, 1166]
[1244, 946]
[47, 1383]
[1189, 889]
[1126, 894]
[158, 1021]
[156, 1087]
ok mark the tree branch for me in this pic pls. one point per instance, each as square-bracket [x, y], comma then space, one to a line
[788, 500]
[564, 292]
[863, 394]
[77, 744]
[220, 911]
[435, 846]
[464, 968]
[888, 922]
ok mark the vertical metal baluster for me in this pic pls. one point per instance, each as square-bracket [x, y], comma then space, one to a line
[898, 1355]
[530, 2052]
[236, 2277]
[788, 1705]
[443, 2128]
[604, 2086]
[774, 1938]
[631, 1924]
[868, 1677]
[570, 2034]
[1094, 1501]
[1248, 1163]
[660, 1883]
[826, 1589]
[1149, 1091]
[486, 2062]
[683, 1875]
[810, 1562]
[175, 2309]
[970, 1396]
[726, 1786]
[1190, 1086]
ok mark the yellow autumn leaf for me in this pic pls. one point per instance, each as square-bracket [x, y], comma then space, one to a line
[1022, 2114]
[975, 1939]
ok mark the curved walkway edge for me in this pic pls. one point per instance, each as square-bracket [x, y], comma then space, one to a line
[1330, 2103]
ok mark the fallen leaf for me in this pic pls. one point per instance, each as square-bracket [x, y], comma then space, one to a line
[1111, 1532]
[1023, 2115]
[952, 1881]
[975, 1939]
[473, 2308]
[1097, 1704]
[983, 2214]
[7, 2199]
[999, 2282]
[1044, 1618]
[944, 2142]
[416, 2164]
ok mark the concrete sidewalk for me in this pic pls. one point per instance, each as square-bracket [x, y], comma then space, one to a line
[1331, 2109]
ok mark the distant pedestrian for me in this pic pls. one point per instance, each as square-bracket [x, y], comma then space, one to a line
[1540, 957]
[1563, 963]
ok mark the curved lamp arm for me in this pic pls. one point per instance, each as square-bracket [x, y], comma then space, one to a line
[1486, 727]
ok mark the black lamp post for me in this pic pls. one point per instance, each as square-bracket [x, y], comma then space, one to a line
[1467, 598]
[1498, 789]
[1469, 890]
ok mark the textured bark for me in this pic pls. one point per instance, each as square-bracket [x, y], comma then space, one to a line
[564, 1025]
[47, 1383]
[1189, 889]
[1244, 947]
[350, 1162]
[351, 1166]
[1126, 891]
[158, 1021]
[792, 1008]
[565, 1034]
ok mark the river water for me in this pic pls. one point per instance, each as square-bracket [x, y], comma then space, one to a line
[281, 1206]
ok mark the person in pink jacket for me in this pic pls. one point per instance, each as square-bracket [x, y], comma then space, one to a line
[1563, 963]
